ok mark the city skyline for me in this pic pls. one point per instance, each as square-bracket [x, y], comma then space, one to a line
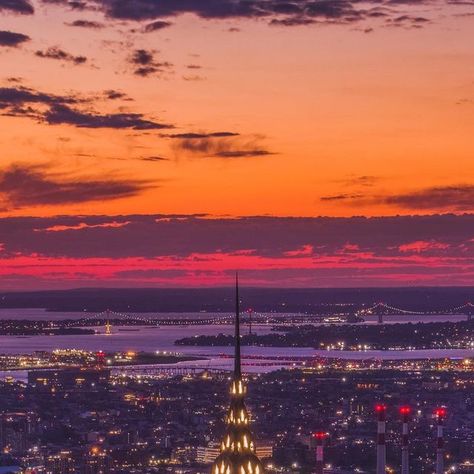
[150, 143]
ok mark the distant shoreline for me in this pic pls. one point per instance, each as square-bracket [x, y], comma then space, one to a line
[383, 337]
[140, 359]
[279, 300]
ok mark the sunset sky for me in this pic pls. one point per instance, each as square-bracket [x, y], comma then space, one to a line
[170, 142]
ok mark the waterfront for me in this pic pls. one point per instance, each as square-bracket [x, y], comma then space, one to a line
[152, 393]
[150, 339]
[41, 314]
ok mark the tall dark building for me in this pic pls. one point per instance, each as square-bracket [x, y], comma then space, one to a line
[14, 432]
[237, 449]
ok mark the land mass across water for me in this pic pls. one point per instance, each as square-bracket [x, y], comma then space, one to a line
[24, 328]
[76, 358]
[434, 335]
[283, 300]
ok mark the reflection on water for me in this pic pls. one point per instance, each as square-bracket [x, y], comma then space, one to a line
[162, 338]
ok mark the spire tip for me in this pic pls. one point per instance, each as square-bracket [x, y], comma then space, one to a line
[237, 363]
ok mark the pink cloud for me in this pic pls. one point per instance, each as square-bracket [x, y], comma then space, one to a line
[142, 250]
[362, 269]
[420, 246]
[305, 250]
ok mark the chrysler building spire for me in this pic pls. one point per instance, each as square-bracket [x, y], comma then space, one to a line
[237, 447]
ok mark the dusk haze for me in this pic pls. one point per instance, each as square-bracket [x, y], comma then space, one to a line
[167, 143]
[236, 236]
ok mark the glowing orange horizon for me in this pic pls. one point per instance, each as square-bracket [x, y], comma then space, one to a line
[364, 112]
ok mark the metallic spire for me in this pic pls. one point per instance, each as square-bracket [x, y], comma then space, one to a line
[237, 364]
[238, 452]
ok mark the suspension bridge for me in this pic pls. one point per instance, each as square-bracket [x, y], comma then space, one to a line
[381, 310]
[107, 317]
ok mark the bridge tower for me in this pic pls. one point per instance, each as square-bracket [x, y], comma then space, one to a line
[108, 326]
[469, 310]
[250, 312]
[379, 310]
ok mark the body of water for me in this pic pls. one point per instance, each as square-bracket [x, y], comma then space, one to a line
[255, 359]
[39, 314]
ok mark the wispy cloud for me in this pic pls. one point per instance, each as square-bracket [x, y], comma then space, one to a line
[456, 197]
[156, 26]
[341, 197]
[26, 102]
[219, 145]
[145, 63]
[153, 158]
[86, 24]
[32, 185]
[63, 114]
[61, 55]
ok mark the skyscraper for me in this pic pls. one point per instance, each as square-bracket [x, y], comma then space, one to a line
[237, 448]
[14, 431]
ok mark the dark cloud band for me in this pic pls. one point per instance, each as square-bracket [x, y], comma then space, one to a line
[455, 198]
[22, 185]
[225, 145]
[23, 102]
[277, 12]
[152, 236]
[11, 39]
[61, 55]
[22, 7]
[459, 198]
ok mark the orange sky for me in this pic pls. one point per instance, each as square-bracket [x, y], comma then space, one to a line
[357, 117]
[136, 135]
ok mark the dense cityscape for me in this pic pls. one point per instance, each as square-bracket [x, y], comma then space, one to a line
[91, 421]
[103, 412]
[236, 237]
[442, 335]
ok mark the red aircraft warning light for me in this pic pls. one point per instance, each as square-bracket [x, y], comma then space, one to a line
[319, 435]
[441, 412]
[380, 407]
[405, 410]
